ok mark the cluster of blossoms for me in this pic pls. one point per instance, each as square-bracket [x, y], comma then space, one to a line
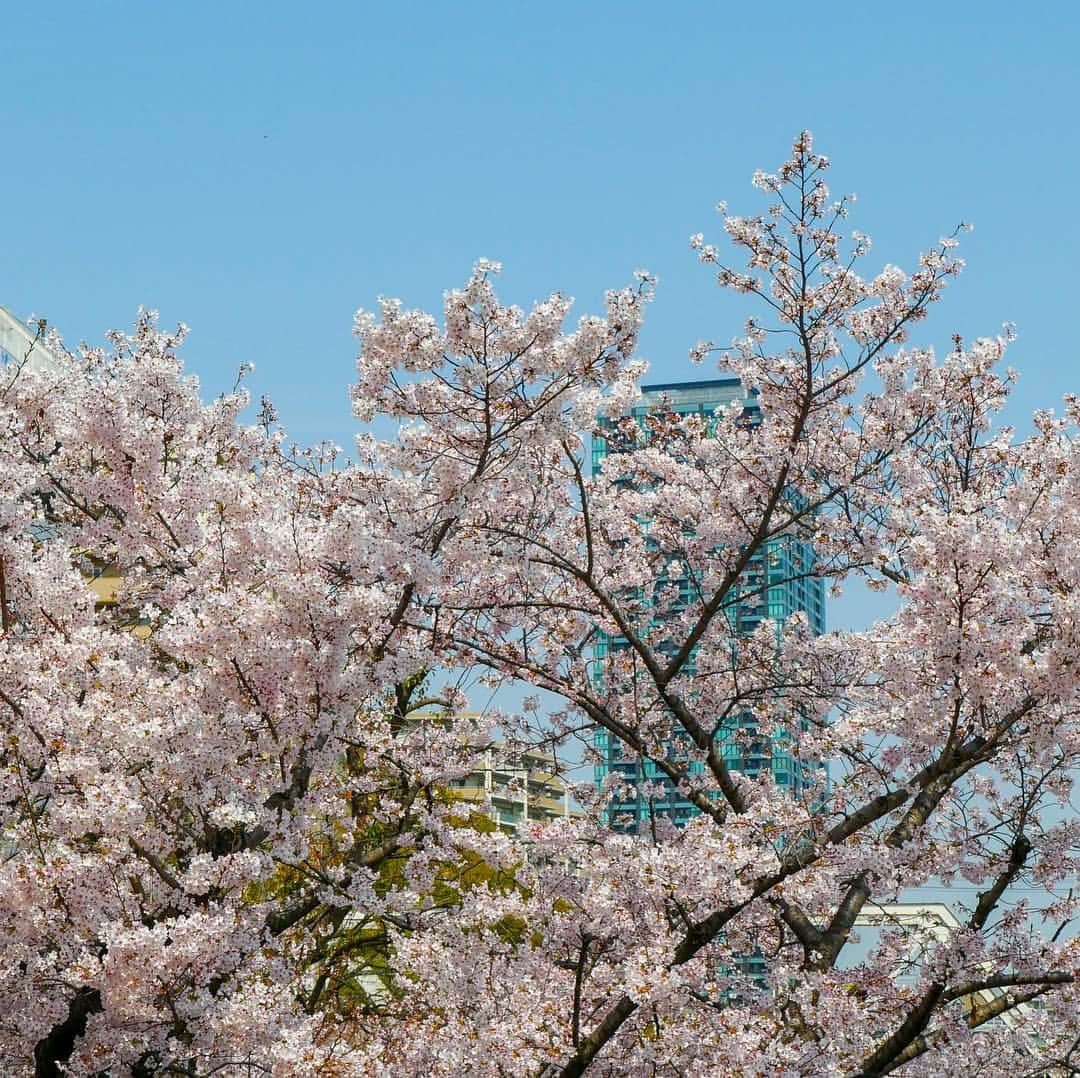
[231, 843]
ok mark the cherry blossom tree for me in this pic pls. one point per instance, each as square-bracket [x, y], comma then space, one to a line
[231, 844]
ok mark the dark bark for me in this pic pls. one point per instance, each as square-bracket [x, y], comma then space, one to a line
[56, 1047]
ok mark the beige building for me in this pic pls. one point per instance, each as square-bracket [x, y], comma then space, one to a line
[520, 792]
[521, 788]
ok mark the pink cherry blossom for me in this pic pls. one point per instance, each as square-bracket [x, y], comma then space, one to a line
[236, 678]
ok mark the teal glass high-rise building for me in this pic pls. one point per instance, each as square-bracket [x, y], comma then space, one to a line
[782, 578]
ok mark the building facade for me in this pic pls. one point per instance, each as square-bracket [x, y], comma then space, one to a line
[20, 343]
[520, 791]
[514, 788]
[780, 582]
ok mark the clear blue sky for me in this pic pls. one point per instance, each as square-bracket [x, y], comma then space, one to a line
[260, 170]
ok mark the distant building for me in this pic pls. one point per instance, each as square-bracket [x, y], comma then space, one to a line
[521, 792]
[781, 583]
[935, 922]
[21, 343]
[521, 787]
[25, 344]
